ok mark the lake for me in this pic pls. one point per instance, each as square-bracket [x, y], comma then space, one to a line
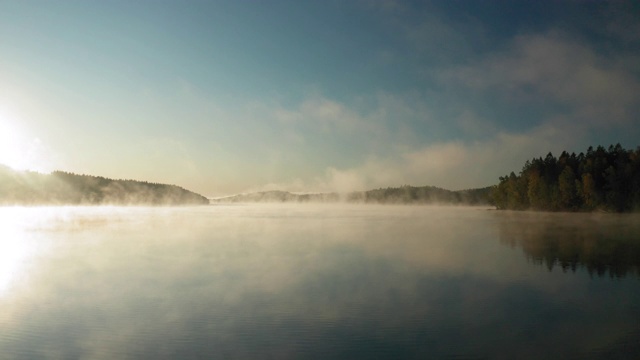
[317, 281]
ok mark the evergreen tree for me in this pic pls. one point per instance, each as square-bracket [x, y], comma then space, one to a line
[602, 179]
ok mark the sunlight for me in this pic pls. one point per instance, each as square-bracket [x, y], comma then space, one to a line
[14, 247]
[17, 150]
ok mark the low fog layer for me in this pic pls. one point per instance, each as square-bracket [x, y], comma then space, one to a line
[287, 281]
[400, 195]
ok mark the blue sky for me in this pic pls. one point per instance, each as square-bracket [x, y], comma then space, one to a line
[223, 97]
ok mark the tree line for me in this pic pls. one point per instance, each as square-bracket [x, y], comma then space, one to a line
[62, 188]
[391, 195]
[407, 194]
[600, 179]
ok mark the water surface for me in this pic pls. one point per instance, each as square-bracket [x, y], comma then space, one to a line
[308, 281]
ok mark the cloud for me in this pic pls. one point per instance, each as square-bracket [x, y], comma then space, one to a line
[327, 116]
[389, 139]
[451, 164]
[397, 154]
[598, 89]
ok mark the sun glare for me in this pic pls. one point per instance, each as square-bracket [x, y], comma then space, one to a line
[14, 249]
[18, 150]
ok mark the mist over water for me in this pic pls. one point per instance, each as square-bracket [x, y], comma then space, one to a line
[316, 281]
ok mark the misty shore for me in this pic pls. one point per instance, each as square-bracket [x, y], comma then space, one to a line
[391, 195]
[62, 188]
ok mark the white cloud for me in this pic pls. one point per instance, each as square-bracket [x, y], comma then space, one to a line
[401, 157]
[322, 144]
[451, 164]
[598, 89]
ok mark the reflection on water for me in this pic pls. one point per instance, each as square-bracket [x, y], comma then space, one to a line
[13, 248]
[333, 282]
[603, 244]
[17, 243]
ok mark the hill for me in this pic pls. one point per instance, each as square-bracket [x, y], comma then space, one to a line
[63, 188]
[278, 197]
[398, 195]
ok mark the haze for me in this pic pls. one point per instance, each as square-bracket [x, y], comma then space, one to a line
[302, 281]
[226, 97]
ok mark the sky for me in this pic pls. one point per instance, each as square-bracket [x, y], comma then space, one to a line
[224, 97]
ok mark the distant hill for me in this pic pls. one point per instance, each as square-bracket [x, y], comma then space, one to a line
[422, 195]
[398, 195]
[63, 188]
[278, 197]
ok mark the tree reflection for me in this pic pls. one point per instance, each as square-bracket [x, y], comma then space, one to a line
[603, 245]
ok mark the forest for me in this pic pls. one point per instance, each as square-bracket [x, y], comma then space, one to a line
[421, 195]
[63, 188]
[599, 180]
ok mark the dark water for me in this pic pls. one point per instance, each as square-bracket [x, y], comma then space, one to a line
[323, 282]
